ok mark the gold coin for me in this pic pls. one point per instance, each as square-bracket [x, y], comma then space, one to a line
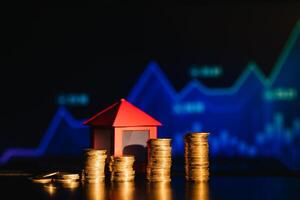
[94, 165]
[196, 157]
[121, 168]
[60, 180]
[49, 174]
[159, 160]
[90, 150]
[41, 180]
[70, 176]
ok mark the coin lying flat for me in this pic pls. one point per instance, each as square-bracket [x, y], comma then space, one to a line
[70, 176]
[41, 180]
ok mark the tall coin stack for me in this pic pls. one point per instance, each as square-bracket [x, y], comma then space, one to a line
[121, 168]
[196, 157]
[94, 165]
[159, 160]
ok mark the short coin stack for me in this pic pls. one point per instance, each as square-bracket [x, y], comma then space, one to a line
[64, 179]
[67, 178]
[121, 168]
[196, 157]
[159, 160]
[94, 165]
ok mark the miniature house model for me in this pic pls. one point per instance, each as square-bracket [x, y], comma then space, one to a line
[123, 129]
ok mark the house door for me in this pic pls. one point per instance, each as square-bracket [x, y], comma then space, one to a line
[135, 143]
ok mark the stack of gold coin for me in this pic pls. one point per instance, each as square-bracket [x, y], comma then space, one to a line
[121, 168]
[159, 160]
[94, 165]
[66, 178]
[196, 157]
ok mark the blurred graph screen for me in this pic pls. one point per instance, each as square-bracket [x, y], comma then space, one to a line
[257, 116]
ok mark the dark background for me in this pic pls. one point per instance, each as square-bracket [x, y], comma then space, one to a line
[103, 50]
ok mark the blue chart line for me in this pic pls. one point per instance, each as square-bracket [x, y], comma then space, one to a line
[256, 116]
[61, 115]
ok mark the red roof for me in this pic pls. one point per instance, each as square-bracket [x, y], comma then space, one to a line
[122, 113]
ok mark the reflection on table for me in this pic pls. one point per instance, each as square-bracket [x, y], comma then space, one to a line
[197, 190]
[122, 190]
[159, 190]
[95, 191]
